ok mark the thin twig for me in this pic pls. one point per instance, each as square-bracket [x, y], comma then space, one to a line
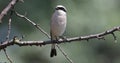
[8, 35]
[7, 8]
[66, 56]
[7, 56]
[9, 26]
[115, 38]
[33, 23]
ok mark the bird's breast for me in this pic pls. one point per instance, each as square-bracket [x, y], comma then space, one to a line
[58, 25]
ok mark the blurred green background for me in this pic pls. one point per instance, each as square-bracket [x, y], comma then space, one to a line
[84, 17]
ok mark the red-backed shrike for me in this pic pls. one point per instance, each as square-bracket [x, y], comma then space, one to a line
[57, 26]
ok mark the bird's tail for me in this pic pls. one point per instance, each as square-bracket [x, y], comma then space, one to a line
[53, 51]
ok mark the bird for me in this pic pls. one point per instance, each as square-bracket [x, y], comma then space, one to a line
[57, 26]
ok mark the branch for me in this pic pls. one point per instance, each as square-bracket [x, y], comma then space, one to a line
[33, 23]
[8, 35]
[7, 9]
[9, 26]
[7, 56]
[17, 41]
[66, 56]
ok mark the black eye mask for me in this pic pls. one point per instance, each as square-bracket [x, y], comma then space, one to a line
[60, 8]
